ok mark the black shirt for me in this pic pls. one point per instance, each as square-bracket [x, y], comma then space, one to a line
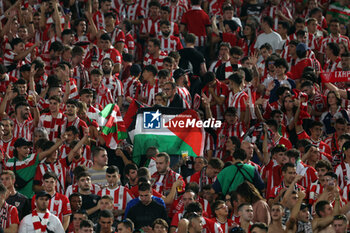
[177, 102]
[190, 57]
[142, 215]
[22, 204]
[90, 201]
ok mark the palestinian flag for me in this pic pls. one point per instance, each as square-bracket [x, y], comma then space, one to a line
[171, 130]
[132, 111]
[112, 125]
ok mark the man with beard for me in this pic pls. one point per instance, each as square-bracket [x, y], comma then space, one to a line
[130, 171]
[23, 126]
[90, 201]
[168, 42]
[174, 99]
[41, 220]
[7, 140]
[73, 119]
[111, 81]
[60, 207]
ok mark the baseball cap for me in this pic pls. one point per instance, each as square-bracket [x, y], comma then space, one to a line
[179, 72]
[22, 142]
[42, 194]
[302, 47]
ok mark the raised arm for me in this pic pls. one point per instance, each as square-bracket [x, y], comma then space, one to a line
[46, 153]
[78, 145]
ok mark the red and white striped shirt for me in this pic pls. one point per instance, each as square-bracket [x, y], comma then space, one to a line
[53, 126]
[99, 55]
[148, 25]
[8, 146]
[129, 43]
[73, 89]
[121, 196]
[58, 205]
[81, 76]
[65, 149]
[337, 40]
[226, 226]
[330, 66]
[343, 173]
[176, 12]
[103, 95]
[158, 62]
[163, 183]
[220, 90]
[272, 12]
[239, 101]
[24, 129]
[149, 91]
[114, 85]
[93, 113]
[227, 130]
[8, 216]
[131, 12]
[59, 167]
[132, 87]
[311, 40]
[315, 190]
[172, 43]
[210, 226]
[184, 94]
[117, 35]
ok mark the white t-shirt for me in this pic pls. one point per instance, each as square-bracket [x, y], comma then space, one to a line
[54, 224]
[273, 38]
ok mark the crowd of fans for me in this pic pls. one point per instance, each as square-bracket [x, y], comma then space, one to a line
[280, 162]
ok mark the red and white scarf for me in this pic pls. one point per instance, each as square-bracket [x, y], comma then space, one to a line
[40, 225]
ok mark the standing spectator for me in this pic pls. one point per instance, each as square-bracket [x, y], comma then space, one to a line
[14, 198]
[40, 217]
[155, 55]
[58, 203]
[196, 21]
[269, 36]
[24, 164]
[9, 214]
[98, 169]
[231, 177]
[147, 210]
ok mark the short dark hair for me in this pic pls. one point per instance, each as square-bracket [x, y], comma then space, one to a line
[260, 225]
[266, 46]
[293, 153]
[286, 166]
[216, 163]
[239, 154]
[112, 169]
[105, 214]
[86, 223]
[236, 51]
[324, 164]
[129, 167]
[152, 69]
[83, 174]
[284, 24]
[155, 41]
[334, 47]
[128, 224]
[154, 3]
[16, 41]
[145, 187]
[105, 36]
[320, 207]
[282, 62]
[72, 129]
[268, 20]
[56, 46]
[49, 175]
